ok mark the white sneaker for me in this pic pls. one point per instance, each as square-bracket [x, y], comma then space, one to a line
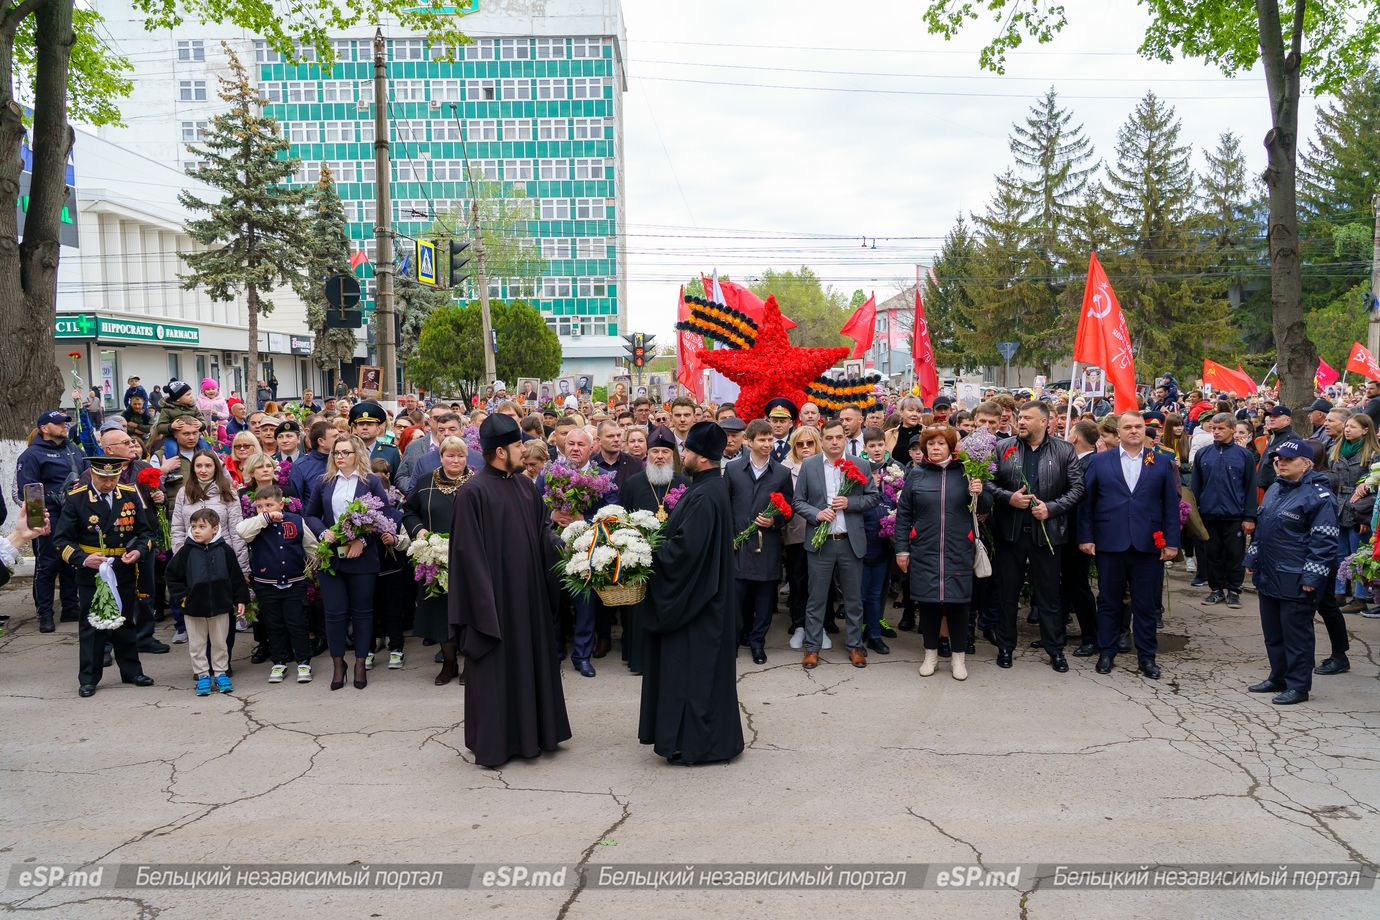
[395, 660]
[275, 676]
[798, 638]
[1191, 565]
[179, 637]
[826, 644]
[304, 673]
[369, 662]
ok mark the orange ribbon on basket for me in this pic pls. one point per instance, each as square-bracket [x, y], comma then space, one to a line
[601, 536]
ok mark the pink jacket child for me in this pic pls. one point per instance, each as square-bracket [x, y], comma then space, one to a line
[211, 402]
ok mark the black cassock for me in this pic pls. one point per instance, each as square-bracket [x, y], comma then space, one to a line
[689, 688]
[502, 600]
[640, 495]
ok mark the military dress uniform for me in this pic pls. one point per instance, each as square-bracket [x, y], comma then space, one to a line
[110, 525]
[372, 412]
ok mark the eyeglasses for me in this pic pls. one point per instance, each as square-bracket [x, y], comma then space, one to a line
[342, 453]
[805, 444]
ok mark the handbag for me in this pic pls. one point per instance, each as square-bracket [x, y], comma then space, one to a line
[982, 563]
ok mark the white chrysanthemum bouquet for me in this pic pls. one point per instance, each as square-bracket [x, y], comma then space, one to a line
[431, 562]
[610, 555]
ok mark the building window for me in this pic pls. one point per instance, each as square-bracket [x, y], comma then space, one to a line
[515, 49]
[191, 50]
[189, 165]
[551, 89]
[481, 49]
[359, 212]
[409, 91]
[344, 48]
[592, 287]
[588, 129]
[302, 132]
[555, 287]
[309, 173]
[553, 170]
[587, 88]
[410, 170]
[589, 209]
[589, 169]
[193, 131]
[448, 170]
[339, 132]
[484, 169]
[191, 90]
[446, 129]
[518, 170]
[446, 90]
[555, 248]
[302, 92]
[586, 47]
[549, 130]
[591, 248]
[409, 132]
[266, 55]
[555, 209]
[517, 131]
[550, 47]
[517, 90]
[409, 49]
[481, 130]
[482, 91]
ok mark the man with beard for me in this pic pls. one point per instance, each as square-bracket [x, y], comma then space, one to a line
[646, 491]
[502, 603]
[689, 692]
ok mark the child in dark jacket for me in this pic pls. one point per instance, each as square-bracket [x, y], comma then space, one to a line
[205, 576]
[279, 544]
[396, 593]
[880, 553]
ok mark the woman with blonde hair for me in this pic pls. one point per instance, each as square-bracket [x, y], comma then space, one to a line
[804, 442]
[244, 446]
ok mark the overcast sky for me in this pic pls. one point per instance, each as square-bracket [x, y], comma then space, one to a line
[742, 178]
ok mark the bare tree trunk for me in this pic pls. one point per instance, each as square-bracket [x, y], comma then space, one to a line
[251, 296]
[1297, 355]
[29, 378]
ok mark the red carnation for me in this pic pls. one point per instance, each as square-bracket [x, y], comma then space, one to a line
[1159, 539]
[782, 506]
[1009, 451]
[150, 478]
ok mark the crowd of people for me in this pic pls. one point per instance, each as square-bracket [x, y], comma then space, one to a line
[898, 517]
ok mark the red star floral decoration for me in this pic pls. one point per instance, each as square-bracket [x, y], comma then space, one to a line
[771, 366]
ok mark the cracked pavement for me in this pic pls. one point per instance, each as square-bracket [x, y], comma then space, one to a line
[843, 765]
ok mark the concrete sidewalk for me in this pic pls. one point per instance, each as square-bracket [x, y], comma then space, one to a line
[843, 766]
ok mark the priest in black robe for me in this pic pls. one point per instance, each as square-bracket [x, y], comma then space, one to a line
[502, 600]
[689, 689]
[647, 491]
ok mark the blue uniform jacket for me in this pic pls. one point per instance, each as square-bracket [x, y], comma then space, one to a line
[1295, 539]
[1224, 481]
[56, 466]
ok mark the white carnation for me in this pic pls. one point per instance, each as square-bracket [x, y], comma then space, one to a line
[573, 530]
[578, 564]
[614, 511]
[644, 520]
[602, 558]
[583, 542]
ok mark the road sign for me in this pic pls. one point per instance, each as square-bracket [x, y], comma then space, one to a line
[426, 262]
[1008, 349]
[342, 291]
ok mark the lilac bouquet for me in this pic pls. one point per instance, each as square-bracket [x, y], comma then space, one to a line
[1185, 512]
[893, 480]
[573, 492]
[887, 529]
[284, 468]
[471, 436]
[978, 451]
[363, 516]
[672, 497]
[292, 504]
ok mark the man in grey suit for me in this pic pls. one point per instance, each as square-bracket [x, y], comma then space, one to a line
[817, 498]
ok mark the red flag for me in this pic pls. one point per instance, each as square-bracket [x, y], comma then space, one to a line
[862, 326]
[1103, 340]
[1238, 383]
[1363, 362]
[358, 259]
[1325, 376]
[737, 297]
[922, 354]
[688, 368]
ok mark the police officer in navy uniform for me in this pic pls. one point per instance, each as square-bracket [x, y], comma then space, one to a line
[781, 414]
[55, 462]
[1291, 558]
[100, 520]
[369, 421]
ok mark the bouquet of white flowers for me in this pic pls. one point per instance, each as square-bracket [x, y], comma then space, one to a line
[610, 555]
[431, 558]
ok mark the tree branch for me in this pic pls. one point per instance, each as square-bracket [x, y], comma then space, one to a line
[15, 15]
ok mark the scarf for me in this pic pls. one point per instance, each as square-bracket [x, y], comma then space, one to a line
[1352, 448]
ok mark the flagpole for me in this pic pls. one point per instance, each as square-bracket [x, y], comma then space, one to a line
[1267, 376]
[1068, 422]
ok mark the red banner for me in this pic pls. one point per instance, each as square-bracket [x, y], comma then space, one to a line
[1103, 339]
[1363, 362]
[922, 354]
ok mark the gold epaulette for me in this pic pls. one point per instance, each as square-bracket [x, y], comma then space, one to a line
[75, 489]
[127, 488]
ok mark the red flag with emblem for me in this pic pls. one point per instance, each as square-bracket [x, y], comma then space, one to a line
[689, 371]
[737, 297]
[1238, 383]
[862, 326]
[1363, 362]
[1325, 375]
[1103, 339]
[922, 354]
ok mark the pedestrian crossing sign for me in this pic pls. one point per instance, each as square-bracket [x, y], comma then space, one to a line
[426, 262]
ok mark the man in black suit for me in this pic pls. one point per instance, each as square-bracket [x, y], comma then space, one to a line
[1036, 488]
[752, 478]
[1074, 578]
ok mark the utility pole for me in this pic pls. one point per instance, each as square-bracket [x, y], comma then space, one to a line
[1373, 330]
[383, 230]
[489, 371]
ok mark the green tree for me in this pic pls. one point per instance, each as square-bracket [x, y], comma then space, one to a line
[527, 346]
[415, 304]
[1175, 312]
[1055, 171]
[1230, 219]
[818, 311]
[1338, 325]
[448, 360]
[1343, 38]
[857, 300]
[254, 231]
[948, 304]
[326, 253]
[997, 287]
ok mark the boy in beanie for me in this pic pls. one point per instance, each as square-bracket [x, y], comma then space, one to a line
[179, 402]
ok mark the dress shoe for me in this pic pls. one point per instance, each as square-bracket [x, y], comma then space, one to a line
[1355, 605]
[1290, 697]
[259, 655]
[428, 642]
[945, 649]
[971, 649]
[143, 680]
[154, 647]
[857, 657]
[1058, 662]
[1032, 617]
[1337, 664]
[1086, 650]
[907, 623]
[1037, 643]
[45, 625]
[1123, 642]
[109, 658]
[810, 661]
[931, 660]
[878, 646]
[887, 631]
[601, 648]
[1003, 657]
[1104, 663]
[759, 655]
[583, 666]
[1148, 667]
[86, 690]
[1265, 686]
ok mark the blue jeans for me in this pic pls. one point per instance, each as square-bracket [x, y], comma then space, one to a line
[1348, 542]
[874, 578]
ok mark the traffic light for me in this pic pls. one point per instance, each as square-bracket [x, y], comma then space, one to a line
[458, 260]
[639, 348]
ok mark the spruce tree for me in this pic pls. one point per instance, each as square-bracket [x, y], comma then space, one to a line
[327, 253]
[1175, 309]
[1231, 223]
[1056, 169]
[998, 290]
[254, 231]
[948, 303]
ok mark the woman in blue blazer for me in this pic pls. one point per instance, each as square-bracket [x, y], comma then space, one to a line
[348, 593]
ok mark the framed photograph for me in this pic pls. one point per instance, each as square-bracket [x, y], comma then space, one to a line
[655, 380]
[672, 391]
[620, 388]
[640, 391]
[584, 385]
[527, 388]
[545, 390]
[654, 392]
[566, 386]
[1091, 382]
[853, 368]
[371, 381]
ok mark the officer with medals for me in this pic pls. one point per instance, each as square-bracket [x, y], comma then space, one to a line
[369, 421]
[101, 520]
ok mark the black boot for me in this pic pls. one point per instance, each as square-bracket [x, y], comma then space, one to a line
[449, 667]
[907, 623]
